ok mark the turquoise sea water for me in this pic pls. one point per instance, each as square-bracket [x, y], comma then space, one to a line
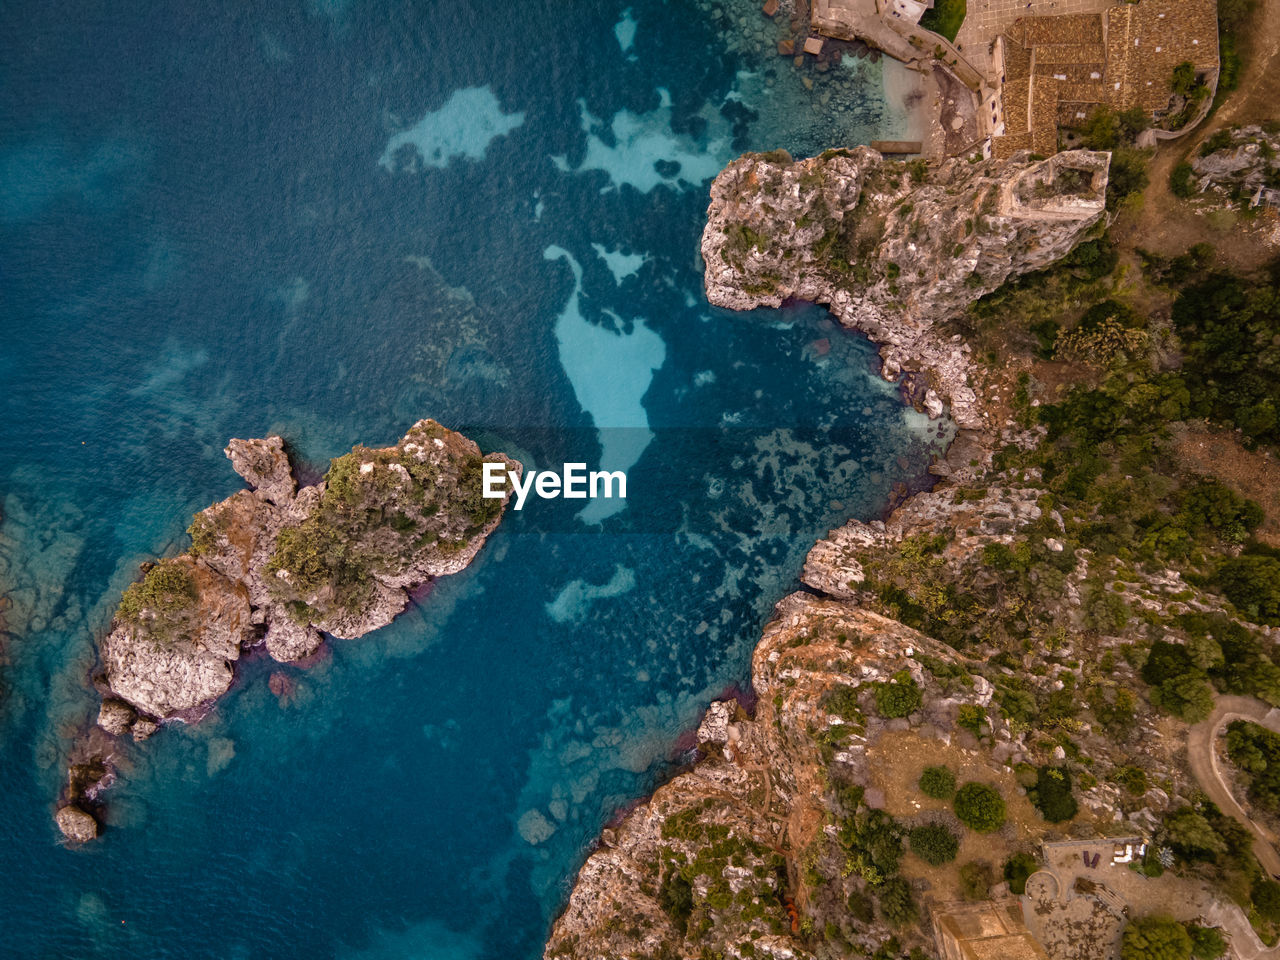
[328, 219]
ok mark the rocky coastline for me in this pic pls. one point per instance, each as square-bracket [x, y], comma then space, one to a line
[895, 250]
[278, 566]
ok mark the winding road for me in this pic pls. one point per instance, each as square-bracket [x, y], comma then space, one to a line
[1204, 766]
[1203, 759]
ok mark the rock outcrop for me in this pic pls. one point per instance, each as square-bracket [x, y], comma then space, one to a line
[282, 567]
[1241, 164]
[895, 249]
[714, 859]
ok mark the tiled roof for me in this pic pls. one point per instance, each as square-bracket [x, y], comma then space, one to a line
[1058, 67]
[1073, 28]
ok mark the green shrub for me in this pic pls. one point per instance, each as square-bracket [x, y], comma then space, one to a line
[1266, 898]
[1182, 180]
[842, 700]
[675, 896]
[1052, 794]
[1017, 869]
[938, 782]
[934, 843]
[896, 903]
[980, 807]
[860, 907]
[1155, 938]
[972, 717]
[976, 878]
[899, 697]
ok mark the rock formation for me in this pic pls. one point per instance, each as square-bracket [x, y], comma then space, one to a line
[895, 249]
[281, 566]
[713, 860]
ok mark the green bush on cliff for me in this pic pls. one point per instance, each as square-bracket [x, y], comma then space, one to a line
[899, 697]
[167, 591]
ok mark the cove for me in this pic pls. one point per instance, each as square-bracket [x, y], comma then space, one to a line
[195, 253]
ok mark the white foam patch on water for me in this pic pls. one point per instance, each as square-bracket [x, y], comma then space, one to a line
[610, 373]
[642, 142]
[621, 265]
[468, 122]
[575, 600]
[625, 30]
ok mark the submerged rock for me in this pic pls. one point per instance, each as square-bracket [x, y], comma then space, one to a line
[281, 566]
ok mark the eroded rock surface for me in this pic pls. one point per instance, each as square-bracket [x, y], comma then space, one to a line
[762, 793]
[281, 566]
[895, 249]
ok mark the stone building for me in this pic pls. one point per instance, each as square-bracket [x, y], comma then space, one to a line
[990, 930]
[1051, 72]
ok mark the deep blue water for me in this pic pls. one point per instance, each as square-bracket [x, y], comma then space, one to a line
[328, 220]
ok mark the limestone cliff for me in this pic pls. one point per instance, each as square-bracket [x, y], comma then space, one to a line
[895, 248]
[778, 827]
[281, 566]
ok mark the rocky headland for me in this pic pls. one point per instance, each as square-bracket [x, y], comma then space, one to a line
[280, 567]
[896, 249]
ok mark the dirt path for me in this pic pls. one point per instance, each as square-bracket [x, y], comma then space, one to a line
[1167, 224]
[1204, 766]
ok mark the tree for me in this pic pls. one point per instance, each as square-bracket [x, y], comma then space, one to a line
[933, 843]
[938, 782]
[1188, 697]
[1017, 869]
[1266, 898]
[1052, 794]
[1252, 583]
[896, 902]
[1207, 943]
[1192, 836]
[1155, 938]
[980, 807]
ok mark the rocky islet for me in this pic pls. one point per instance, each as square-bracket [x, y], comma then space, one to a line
[280, 566]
